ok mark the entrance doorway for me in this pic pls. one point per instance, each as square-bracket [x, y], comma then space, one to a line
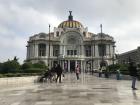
[72, 66]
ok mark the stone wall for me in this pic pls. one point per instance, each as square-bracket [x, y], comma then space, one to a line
[134, 55]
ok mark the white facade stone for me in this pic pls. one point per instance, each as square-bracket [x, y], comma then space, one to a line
[71, 42]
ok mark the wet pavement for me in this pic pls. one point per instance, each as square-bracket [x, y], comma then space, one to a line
[89, 90]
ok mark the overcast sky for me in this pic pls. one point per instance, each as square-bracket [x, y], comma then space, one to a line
[20, 19]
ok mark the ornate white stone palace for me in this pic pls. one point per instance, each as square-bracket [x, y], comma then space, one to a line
[71, 44]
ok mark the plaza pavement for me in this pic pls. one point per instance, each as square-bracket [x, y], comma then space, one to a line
[89, 90]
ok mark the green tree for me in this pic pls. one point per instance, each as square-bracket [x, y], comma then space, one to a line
[11, 66]
[38, 67]
[40, 64]
[124, 69]
[112, 68]
[15, 58]
[1, 67]
[26, 65]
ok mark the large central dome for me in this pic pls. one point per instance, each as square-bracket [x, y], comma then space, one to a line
[70, 23]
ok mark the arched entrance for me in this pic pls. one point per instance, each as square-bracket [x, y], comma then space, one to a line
[103, 63]
[72, 66]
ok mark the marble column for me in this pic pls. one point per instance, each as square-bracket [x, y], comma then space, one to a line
[31, 50]
[63, 65]
[68, 65]
[111, 50]
[96, 51]
[51, 50]
[65, 50]
[80, 51]
[36, 50]
[83, 50]
[84, 66]
[107, 49]
[92, 50]
[81, 65]
[47, 50]
[27, 56]
[61, 49]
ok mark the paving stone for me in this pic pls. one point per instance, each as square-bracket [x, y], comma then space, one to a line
[16, 103]
[89, 90]
[44, 103]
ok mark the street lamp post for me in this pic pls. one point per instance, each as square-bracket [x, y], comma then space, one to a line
[102, 61]
[113, 55]
[92, 57]
[49, 48]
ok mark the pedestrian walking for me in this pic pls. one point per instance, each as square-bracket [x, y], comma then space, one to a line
[133, 73]
[53, 72]
[77, 71]
[59, 73]
[118, 74]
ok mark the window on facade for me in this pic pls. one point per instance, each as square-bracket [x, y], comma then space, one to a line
[68, 52]
[42, 49]
[56, 50]
[75, 52]
[102, 49]
[71, 52]
[57, 33]
[88, 50]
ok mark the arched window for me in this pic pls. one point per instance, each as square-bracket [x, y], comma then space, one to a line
[88, 50]
[102, 49]
[55, 50]
[42, 50]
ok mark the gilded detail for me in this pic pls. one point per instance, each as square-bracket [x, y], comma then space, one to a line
[70, 24]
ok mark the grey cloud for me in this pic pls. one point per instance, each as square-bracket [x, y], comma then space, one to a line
[22, 18]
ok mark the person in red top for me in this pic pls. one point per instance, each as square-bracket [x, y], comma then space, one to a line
[77, 71]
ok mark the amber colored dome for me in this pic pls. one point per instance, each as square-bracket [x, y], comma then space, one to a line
[70, 24]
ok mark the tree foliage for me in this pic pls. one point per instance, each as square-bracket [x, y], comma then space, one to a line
[26, 65]
[10, 66]
[122, 67]
[38, 67]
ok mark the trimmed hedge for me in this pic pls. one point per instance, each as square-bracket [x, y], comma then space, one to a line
[18, 74]
[33, 70]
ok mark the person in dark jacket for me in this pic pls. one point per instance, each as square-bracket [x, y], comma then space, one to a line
[53, 72]
[59, 72]
[133, 73]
